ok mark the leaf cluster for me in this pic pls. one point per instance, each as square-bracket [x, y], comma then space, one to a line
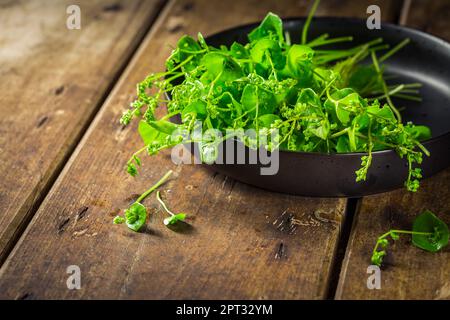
[136, 215]
[305, 98]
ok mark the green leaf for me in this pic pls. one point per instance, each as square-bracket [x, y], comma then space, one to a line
[155, 130]
[377, 257]
[187, 43]
[298, 53]
[428, 222]
[342, 103]
[342, 145]
[299, 62]
[313, 104]
[320, 129]
[197, 108]
[383, 243]
[346, 105]
[266, 46]
[131, 169]
[362, 77]
[271, 26]
[136, 216]
[217, 64]
[238, 51]
[137, 160]
[323, 75]
[352, 141]
[266, 120]
[383, 112]
[342, 114]
[419, 132]
[188, 47]
[163, 126]
[394, 236]
[258, 100]
[147, 133]
[361, 121]
[213, 62]
[249, 99]
[226, 100]
[174, 218]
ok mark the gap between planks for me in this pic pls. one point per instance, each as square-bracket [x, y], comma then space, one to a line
[351, 210]
[40, 194]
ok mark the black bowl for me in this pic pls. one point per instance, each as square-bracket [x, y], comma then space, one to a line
[426, 60]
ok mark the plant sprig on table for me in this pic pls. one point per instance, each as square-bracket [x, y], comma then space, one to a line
[428, 233]
[307, 98]
[136, 215]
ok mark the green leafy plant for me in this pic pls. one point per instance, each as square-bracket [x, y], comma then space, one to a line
[136, 214]
[174, 217]
[307, 98]
[428, 233]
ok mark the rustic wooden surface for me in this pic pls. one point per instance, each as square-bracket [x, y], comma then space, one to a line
[241, 242]
[409, 273]
[430, 16]
[52, 82]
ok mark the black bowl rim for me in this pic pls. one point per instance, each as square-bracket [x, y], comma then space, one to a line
[351, 20]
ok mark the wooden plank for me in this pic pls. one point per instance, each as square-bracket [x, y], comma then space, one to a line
[410, 273]
[52, 82]
[242, 242]
[430, 16]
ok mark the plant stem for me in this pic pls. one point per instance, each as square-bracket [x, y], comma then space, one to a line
[408, 97]
[155, 186]
[339, 133]
[170, 115]
[422, 147]
[330, 41]
[136, 153]
[319, 39]
[383, 84]
[163, 204]
[329, 84]
[375, 249]
[404, 232]
[390, 93]
[178, 66]
[308, 20]
[394, 49]
[393, 146]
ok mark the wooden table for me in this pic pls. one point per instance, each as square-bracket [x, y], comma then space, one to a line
[62, 155]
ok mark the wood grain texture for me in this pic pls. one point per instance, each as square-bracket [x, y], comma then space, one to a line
[241, 242]
[410, 273]
[430, 16]
[52, 82]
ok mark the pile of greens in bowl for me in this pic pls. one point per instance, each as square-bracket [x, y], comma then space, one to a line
[304, 97]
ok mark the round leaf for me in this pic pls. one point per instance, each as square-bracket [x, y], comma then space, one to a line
[136, 216]
[428, 222]
[271, 26]
[266, 120]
